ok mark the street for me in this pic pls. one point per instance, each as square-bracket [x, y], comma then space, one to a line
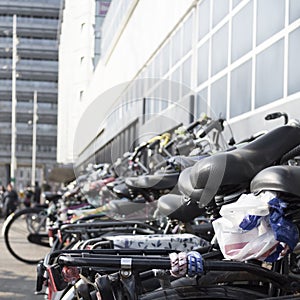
[17, 280]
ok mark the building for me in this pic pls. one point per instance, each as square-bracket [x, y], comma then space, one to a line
[36, 70]
[235, 58]
[79, 52]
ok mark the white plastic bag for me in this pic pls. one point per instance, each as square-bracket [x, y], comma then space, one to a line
[238, 244]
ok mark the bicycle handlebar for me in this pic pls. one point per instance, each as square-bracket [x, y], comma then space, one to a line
[277, 115]
[215, 124]
[192, 126]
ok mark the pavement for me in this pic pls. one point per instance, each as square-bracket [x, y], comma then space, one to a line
[17, 279]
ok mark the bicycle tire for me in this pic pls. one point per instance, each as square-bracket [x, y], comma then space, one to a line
[25, 236]
[194, 292]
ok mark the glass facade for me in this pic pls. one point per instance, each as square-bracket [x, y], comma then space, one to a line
[234, 46]
[235, 56]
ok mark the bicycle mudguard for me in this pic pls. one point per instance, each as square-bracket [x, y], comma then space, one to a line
[56, 278]
[104, 286]
[40, 276]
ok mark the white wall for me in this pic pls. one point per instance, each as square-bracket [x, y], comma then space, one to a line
[75, 68]
[150, 23]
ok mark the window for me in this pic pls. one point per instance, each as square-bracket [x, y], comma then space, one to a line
[220, 10]
[202, 67]
[294, 10]
[201, 102]
[186, 72]
[269, 74]
[242, 24]
[164, 86]
[219, 50]
[294, 62]
[148, 108]
[240, 95]
[187, 35]
[175, 85]
[176, 47]
[156, 65]
[235, 2]
[219, 98]
[270, 18]
[165, 62]
[204, 18]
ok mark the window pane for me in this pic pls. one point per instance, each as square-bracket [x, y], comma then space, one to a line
[294, 62]
[202, 63]
[176, 75]
[219, 50]
[269, 74]
[165, 85]
[157, 65]
[270, 18]
[186, 72]
[220, 10]
[203, 15]
[242, 32]
[175, 85]
[294, 10]
[240, 95]
[201, 104]
[235, 2]
[218, 98]
[187, 35]
[165, 59]
[176, 47]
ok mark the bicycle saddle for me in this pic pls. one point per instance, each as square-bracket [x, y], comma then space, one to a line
[227, 172]
[122, 190]
[160, 181]
[278, 178]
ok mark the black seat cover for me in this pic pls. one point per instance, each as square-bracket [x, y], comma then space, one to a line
[185, 184]
[122, 190]
[228, 171]
[124, 207]
[157, 182]
[278, 178]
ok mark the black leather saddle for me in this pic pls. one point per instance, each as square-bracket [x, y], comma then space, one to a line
[227, 172]
[160, 181]
[283, 179]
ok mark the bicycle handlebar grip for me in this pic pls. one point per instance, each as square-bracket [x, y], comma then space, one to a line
[277, 115]
[137, 150]
[192, 126]
[273, 116]
[210, 127]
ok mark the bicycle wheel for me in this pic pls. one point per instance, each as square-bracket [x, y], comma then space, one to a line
[25, 235]
[209, 292]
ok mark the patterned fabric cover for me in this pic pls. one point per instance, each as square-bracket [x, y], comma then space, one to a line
[180, 242]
